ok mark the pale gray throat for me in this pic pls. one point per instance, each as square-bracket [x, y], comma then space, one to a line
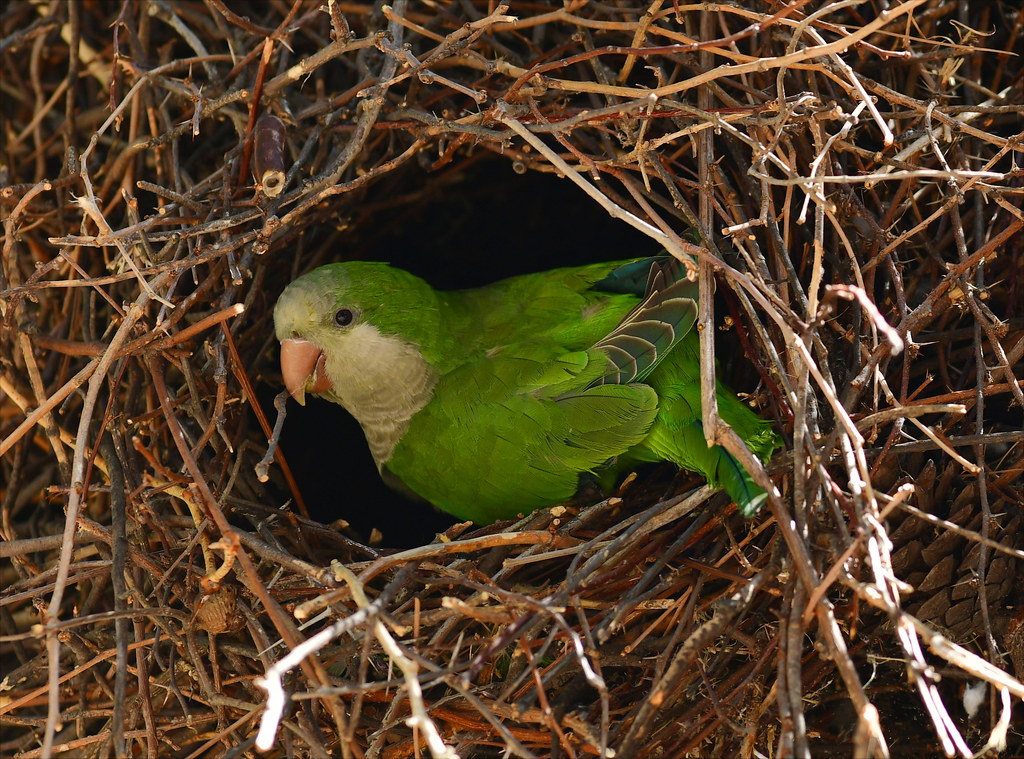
[382, 381]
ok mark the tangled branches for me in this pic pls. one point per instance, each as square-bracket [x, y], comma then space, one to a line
[847, 173]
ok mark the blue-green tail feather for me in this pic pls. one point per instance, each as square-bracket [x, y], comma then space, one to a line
[678, 436]
[735, 480]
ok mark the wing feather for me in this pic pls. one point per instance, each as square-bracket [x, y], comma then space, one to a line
[519, 444]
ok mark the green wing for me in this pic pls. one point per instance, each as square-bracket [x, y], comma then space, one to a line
[655, 343]
[649, 331]
[512, 432]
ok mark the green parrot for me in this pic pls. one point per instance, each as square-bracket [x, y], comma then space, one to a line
[496, 401]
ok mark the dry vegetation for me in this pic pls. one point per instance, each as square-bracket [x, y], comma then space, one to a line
[852, 173]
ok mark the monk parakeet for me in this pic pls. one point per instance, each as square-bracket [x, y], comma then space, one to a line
[497, 401]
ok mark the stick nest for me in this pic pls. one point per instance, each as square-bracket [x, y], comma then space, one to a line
[850, 174]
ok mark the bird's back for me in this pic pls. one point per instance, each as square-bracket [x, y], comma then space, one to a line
[569, 306]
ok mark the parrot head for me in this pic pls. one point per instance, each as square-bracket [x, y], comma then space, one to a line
[359, 334]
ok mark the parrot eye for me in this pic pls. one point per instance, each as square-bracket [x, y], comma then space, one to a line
[343, 317]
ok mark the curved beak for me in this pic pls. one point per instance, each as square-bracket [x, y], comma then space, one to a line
[302, 367]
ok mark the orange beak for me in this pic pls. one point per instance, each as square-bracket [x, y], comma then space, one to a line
[302, 367]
